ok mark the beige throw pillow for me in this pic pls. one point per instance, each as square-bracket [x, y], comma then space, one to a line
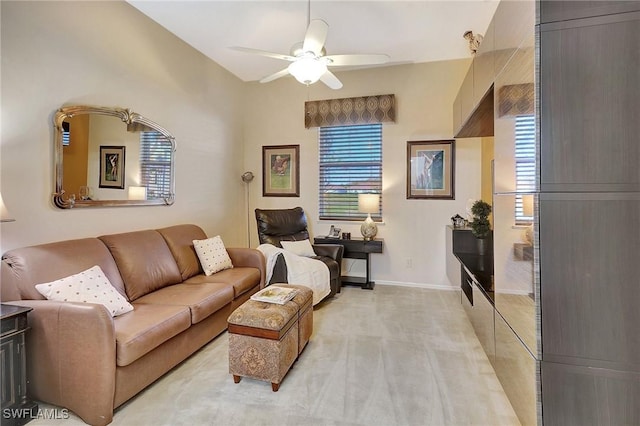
[301, 248]
[212, 254]
[90, 286]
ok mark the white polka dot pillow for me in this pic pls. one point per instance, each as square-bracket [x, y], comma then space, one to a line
[212, 255]
[90, 286]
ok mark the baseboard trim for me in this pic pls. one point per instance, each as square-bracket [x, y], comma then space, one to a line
[418, 285]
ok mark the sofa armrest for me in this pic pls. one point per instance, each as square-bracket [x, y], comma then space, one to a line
[334, 251]
[251, 258]
[71, 357]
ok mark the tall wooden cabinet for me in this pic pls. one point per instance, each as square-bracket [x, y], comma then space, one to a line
[589, 211]
[566, 345]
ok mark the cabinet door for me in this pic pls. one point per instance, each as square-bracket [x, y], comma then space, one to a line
[482, 314]
[516, 369]
[590, 104]
[513, 22]
[10, 379]
[555, 10]
[582, 396]
[589, 278]
[466, 95]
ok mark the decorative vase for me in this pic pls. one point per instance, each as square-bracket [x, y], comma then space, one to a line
[483, 246]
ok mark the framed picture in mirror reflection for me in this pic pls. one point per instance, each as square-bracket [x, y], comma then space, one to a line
[112, 167]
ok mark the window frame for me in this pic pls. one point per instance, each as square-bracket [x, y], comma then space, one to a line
[349, 141]
[525, 163]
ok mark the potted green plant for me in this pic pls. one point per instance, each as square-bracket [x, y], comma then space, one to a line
[480, 226]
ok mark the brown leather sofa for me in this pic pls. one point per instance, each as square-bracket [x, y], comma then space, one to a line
[276, 225]
[79, 356]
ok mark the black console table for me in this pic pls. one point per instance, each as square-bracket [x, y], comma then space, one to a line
[356, 248]
[16, 408]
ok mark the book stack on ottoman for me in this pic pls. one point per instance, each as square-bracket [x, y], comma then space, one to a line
[266, 338]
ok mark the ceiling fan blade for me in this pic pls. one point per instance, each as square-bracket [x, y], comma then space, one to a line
[353, 60]
[275, 76]
[264, 53]
[331, 80]
[315, 37]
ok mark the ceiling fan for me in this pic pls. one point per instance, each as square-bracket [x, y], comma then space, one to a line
[309, 61]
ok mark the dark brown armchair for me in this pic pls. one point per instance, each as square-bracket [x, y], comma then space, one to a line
[291, 225]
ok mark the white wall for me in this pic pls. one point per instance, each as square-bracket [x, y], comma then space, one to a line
[413, 230]
[109, 54]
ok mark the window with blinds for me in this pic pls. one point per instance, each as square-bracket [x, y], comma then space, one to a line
[525, 162]
[350, 164]
[66, 134]
[155, 164]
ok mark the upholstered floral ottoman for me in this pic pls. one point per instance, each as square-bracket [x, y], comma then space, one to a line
[265, 338]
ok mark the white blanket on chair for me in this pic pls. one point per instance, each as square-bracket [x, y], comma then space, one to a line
[301, 270]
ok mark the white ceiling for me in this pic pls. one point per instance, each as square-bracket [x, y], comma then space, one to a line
[408, 31]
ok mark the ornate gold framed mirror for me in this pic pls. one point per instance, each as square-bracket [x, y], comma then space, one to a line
[111, 157]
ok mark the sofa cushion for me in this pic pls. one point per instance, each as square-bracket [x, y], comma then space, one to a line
[25, 267]
[212, 255]
[242, 279]
[180, 238]
[90, 286]
[144, 260]
[202, 300]
[147, 327]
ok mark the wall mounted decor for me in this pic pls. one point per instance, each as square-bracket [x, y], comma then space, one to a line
[431, 170]
[280, 171]
[112, 167]
[90, 140]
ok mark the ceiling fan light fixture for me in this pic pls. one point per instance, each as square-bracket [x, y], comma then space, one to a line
[308, 70]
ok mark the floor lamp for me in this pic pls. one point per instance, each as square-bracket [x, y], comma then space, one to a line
[247, 177]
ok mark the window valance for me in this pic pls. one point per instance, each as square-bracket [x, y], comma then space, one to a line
[350, 111]
[516, 99]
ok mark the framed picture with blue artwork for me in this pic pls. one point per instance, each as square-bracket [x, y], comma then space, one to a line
[431, 169]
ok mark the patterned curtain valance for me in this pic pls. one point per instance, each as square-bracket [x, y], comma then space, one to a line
[347, 111]
[517, 99]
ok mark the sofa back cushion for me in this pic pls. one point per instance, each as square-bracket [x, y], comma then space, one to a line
[25, 267]
[180, 238]
[144, 260]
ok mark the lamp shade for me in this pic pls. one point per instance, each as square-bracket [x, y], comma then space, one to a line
[527, 205]
[307, 70]
[137, 193]
[5, 216]
[368, 203]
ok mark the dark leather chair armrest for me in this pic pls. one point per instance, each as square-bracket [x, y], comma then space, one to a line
[334, 251]
[279, 273]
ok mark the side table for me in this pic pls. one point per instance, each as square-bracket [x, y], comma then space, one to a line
[16, 408]
[356, 248]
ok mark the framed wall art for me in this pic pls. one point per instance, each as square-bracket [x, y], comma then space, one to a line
[431, 170]
[112, 167]
[281, 171]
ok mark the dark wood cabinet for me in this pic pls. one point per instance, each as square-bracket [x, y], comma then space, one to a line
[590, 284]
[582, 395]
[356, 248]
[554, 10]
[590, 104]
[589, 210]
[16, 408]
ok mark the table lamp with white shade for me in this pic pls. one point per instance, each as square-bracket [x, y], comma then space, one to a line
[5, 216]
[368, 203]
[137, 193]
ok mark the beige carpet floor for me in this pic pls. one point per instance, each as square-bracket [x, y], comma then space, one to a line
[391, 356]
